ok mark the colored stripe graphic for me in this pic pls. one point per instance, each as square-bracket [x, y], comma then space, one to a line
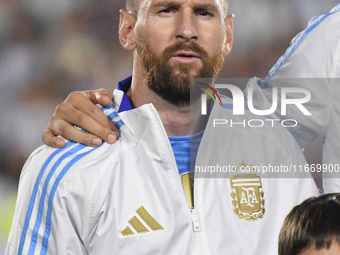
[107, 107]
[43, 195]
[51, 196]
[137, 225]
[119, 124]
[297, 40]
[213, 90]
[40, 213]
[112, 115]
[208, 92]
[152, 223]
[34, 195]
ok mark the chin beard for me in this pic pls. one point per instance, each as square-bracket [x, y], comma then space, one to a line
[172, 82]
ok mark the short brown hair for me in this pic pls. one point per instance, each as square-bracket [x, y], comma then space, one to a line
[315, 222]
[133, 6]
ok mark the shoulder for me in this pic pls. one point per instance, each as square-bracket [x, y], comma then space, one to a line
[321, 37]
[53, 191]
[68, 176]
[327, 24]
[312, 52]
[47, 163]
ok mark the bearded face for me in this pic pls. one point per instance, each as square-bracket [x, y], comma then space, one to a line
[170, 79]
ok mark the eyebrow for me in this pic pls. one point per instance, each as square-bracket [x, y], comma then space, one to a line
[206, 7]
[166, 4]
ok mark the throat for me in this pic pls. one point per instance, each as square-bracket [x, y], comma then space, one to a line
[183, 124]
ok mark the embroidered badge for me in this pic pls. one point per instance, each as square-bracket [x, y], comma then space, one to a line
[248, 197]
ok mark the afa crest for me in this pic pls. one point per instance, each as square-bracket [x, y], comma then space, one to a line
[248, 197]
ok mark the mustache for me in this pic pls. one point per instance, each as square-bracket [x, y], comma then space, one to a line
[184, 46]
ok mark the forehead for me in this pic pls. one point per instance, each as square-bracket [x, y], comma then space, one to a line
[146, 4]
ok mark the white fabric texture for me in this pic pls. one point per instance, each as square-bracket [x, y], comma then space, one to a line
[87, 196]
[314, 56]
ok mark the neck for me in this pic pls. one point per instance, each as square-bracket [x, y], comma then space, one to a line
[177, 121]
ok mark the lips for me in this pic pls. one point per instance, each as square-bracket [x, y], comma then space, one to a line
[186, 56]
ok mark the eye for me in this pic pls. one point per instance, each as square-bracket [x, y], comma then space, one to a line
[204, 13]
[167, 10]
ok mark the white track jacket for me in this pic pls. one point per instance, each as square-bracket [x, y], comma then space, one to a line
[128, 199]
[313, 62]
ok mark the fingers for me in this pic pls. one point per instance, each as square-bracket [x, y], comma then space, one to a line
[104, 97]
[85, 114]
[69, 132]
[79, 109]
[52, 140]
[98, 96]
[93, 126]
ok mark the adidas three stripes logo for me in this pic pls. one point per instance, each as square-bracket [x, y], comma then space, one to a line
[150, 224]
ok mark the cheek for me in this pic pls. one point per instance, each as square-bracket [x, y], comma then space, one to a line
[212, 36]
[158, 35]
[214, 42]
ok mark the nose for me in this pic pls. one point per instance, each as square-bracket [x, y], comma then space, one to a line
[187, 31]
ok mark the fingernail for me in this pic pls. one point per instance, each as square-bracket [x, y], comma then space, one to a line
[111, 138]
[58, 143]
[233, 15]
[107, 97]
[96, 141]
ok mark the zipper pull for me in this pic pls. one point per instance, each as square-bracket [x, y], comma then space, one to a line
[195, 222]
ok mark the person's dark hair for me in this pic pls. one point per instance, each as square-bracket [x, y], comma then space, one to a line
[133, 6]
[315, 222]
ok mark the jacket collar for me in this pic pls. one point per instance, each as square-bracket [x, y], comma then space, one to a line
[125, 104]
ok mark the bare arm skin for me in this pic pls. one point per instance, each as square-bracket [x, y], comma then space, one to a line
[79, 109]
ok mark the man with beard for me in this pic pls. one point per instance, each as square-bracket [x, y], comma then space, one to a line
[135, 196]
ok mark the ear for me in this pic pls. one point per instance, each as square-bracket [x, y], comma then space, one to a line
[126, 30]
[228, 21]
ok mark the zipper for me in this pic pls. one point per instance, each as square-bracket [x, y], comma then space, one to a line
[192, 212]
[196, 226]
[195, 221]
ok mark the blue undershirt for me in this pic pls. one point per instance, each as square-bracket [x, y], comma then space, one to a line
[184, 147]
[185, 150]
